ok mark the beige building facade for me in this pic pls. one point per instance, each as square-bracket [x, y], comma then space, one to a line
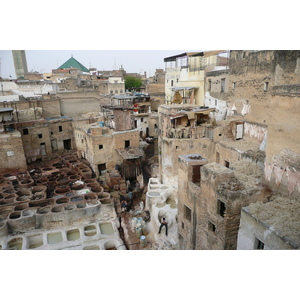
[98, 145]
[185, 74]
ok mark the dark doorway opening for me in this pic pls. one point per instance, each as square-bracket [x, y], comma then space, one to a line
[196, 175]
[101, 167]
[67, 144]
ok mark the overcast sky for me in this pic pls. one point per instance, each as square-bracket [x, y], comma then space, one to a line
[133, 61]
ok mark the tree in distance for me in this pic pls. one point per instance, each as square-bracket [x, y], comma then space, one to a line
[132, 83]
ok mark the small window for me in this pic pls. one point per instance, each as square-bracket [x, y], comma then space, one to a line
[222, 85]
[60, 128]
[216, 102]
[142, 119]
[259, 245]
[266, 86]
[127, 144]
[227, 164]
[40, 136]
[171, 82]
[221, 208]
[187, 213]
[100, 146]
[233, 85]
[209, 85]
[182, 225]
[25, 131]
[211, 226]
[82, 141]
[218, 157]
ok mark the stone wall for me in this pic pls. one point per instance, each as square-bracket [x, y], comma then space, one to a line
[253, 229]
[100, 147]
[220, 201]
[11, 152]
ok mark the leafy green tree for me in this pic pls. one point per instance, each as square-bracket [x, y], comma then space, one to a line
[132, 83]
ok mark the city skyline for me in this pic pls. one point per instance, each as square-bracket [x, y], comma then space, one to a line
[133, 61]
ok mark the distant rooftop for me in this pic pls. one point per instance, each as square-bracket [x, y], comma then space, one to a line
[6, 109]
[73, 63]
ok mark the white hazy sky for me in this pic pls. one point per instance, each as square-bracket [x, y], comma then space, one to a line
[133, 61]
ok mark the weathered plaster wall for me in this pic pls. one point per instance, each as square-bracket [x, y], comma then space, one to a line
[79, 106]
[88, 145]
[188, 198]
[11, 151]
[267, 231]
[220, 183]
[61, 130]
[51, 108]
[122, 119]
[170, 149]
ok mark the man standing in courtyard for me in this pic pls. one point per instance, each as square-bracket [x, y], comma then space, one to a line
[163, 223]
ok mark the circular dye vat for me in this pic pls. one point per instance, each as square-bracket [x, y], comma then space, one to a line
[77, 199]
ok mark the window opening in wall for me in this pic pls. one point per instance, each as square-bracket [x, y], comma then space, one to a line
[67, 144]
[25, 131]
[216, 102]
[127, 144]
[171, 82]
[209, 85]
[187, 213]
[135, 123]
[211, 226]
[222, 85]
[259, 245]
[239, 131]
[196, 174]
[60, 128]
[142, 119]
[40, 136]
[182, 225]
[227, 164]
[221, 208]
[266, 86]
[100, 146]
[233, 85]
[218, 157]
